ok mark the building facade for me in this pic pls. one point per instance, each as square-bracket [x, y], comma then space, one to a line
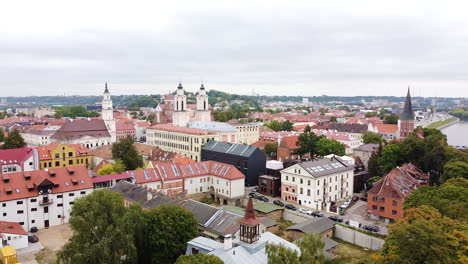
[88, 132]
[56, 155]
[248, 133]
[364, 152]
[18, 160]
[269, 185]
[42, 198]
[318, 183]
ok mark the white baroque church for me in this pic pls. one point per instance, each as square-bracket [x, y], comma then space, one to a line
[107, 114]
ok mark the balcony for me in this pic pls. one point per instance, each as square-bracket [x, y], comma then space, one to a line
[46, 202]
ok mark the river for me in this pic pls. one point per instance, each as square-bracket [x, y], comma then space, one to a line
[457, 134]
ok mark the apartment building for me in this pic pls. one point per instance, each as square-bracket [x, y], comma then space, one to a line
[42, 198]
[182, 140]
[318, 183]
[249, 133]
[17, 160]
[56, 155]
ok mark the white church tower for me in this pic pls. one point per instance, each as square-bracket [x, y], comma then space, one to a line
[107, 114]
[180, 115]
[203, 113]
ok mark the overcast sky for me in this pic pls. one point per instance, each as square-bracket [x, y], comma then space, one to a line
[275, 47]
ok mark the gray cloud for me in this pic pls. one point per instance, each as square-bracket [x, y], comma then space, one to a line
[308, 50]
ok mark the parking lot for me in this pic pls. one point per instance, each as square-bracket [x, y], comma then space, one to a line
[357, 212]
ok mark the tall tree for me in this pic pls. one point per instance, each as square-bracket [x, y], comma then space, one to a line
[13, 140]
[274, 125]
[369, 137]
[2, 134]
[287, 126]
[167, 222]
[373, 166]
[117, 167]
[391, 119]
[391, 157]
[199, 258]
[271, 149]
[307, 142]
[125, 151]
[100, 234]
[442, 239]
[327, 146]
[454, 169]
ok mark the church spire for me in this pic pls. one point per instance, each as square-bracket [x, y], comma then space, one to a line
[249, 225]
[407, 113]
[106, 90]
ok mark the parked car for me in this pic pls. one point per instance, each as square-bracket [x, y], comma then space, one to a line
[263, 198]
[291, 207]
[33, 238]
[336, 218]
[34, 229]
[317, 214]
[253, 195]
[364, 199]
[370, 228]
[305, 211]
[278, 203]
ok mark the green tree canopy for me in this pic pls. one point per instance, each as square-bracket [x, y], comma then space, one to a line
[327, 146]
[125, 151]
[369, 137]
[99, 232]
[287, 126]
[425, 236]
[73, 112]
[2, 134]
[271, 148]
[274, 125]
[391, 158]
[199, 258]
[391, 119]
[333, 119]
[307, 142]
[454, 169]
[13, 140]
[373, 165]
[450, 198]
[117, 167]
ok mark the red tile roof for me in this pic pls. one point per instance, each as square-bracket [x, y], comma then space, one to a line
[386, 128]
[63, 180]
[124, 125]
[183, 130]
[290, 142]
[44, 151]
[12, 228]
[15, 156]
[110, 177]
[77, 128]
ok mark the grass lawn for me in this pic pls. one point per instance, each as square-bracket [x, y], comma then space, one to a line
[352, 254]
[441, 123]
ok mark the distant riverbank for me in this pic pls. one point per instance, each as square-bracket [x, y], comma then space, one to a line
[443, 123]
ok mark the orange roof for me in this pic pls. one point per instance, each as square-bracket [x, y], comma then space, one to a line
[290, 142]
[12, 228]
[183, 130]
[17, 186]
[386, 128]
[44, 151]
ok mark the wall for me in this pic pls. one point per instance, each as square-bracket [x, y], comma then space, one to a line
[16, 241]
[358, 238]
[294, 217]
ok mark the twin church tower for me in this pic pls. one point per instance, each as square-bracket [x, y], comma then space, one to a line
[181, 113]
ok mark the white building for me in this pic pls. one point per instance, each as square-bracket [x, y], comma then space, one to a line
[180, 115]
[107, 115]
[17, 160]
[39, 137]
[317, 183]
[249, 133]
[202, 112]
[42, 198]
[13, 234]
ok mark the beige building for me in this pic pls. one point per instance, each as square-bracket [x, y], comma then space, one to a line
[182, 140]
[248, 133]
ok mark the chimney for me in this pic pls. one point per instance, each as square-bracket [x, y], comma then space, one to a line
[227, 242]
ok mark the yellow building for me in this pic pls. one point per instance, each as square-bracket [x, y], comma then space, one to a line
[56, 155]
[182, 140]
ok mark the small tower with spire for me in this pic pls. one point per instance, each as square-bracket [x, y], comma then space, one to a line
[180, 116]
[249, 225]
[107, 114]
[406, 121]
[202, 113]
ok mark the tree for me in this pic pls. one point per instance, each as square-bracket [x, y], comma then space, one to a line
[369, 137]
[333, 119]
[311, 247]
[271, 149]
[371, 114]
[391, 157]
[391, 119]
[13, 140]
[117, 167]
[327, 146]
[373, 165]
[2, 135]
[125, 151]
[307, 142]
[287, 126]
[73, 112]
[454, 169]
[199, 258]
[444, 240]
[274, 125]
[163, 226]
[323, 111]
[99, 231]
[450, 198]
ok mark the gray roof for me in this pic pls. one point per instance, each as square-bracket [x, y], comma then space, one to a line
[315, 225]
[205, 243]
[329, 243]
[371, 147]
[160, 199]
[203, 212]
[230, 148]
[407, 113]
[325, 166]
[212, 126]
[224, 223]
[131, 191]
[350, 128]
[268, 222]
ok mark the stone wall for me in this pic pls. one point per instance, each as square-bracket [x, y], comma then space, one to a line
[358, 238]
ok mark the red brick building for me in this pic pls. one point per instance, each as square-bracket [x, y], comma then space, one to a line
[387, 196]
[287, 147]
